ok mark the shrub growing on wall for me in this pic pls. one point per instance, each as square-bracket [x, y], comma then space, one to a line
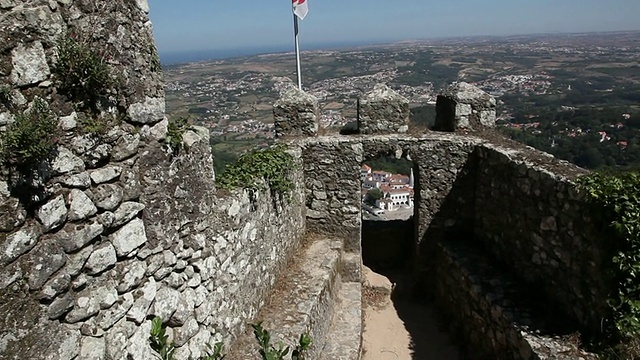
[175, 130]
[82, 71]
[616, 204]
[273, 164]
[31, 138]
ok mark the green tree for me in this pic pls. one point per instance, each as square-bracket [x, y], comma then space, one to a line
[373, 195]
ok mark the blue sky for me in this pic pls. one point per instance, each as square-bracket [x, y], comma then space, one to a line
[191, 25]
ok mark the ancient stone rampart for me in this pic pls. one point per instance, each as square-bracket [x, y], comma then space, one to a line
[519, 205]
[531, 217]
[120, 227]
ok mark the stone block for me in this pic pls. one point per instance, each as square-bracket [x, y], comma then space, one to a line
[150, 111]
[19, 242]
[29, 64]
[106, 174]
[144, 298]
[464, 106]
[129, 237]
[103, 257]
[295, 114]
[80, 206]
[66, 162]
[383, 111]
[73, 237]
[42, 262]
[53, 213]
[108, 196]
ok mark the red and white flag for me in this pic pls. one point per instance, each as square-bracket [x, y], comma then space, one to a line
[300, 8]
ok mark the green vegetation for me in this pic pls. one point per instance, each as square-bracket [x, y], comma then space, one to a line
[82, 71]
[391, 164]
[32, 138]
[159, 341]
[373, 195]
[558, 134]
[269, 352]
[616, 206]
[5, 94]
[95, 125]
[226, 149]
[423, 116]
[350, 128]
[164, 349]
[175, 131]
[273, 164]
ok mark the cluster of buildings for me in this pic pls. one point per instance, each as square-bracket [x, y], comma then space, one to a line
[504, 84]
[396, 190]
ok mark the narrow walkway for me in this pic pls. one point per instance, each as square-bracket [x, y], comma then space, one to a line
[400, 329]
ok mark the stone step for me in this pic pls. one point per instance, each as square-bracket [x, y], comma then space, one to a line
[302, 301]
[351, 267]
[344, 340]
[493, 313]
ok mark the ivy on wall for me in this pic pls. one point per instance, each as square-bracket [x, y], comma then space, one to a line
[615, 200]
[273, 164]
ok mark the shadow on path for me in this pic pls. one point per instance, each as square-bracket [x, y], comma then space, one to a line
[407, 323]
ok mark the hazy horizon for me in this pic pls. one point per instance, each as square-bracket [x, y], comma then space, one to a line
[200, 55]
[226, 26]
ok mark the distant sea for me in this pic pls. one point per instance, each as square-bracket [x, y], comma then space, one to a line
[173, 58]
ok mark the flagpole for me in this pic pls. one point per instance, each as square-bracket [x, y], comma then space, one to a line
[297, 41]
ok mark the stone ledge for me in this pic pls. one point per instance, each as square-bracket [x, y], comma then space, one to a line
[490, 312]
[344, 340]
[302, 301]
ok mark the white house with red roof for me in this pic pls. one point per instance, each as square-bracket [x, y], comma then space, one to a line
[397, 189]
[364, 171]
[381, 176]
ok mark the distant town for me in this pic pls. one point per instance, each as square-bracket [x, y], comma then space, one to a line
[576, 96]
[386, 195]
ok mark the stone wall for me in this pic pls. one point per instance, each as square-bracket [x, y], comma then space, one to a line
[463, 106]
[119, 227]
[383, 111]
[444, 183]
[331, 174]
[528, 218]
[295, 114]
[119, 31]
[142, 238]
[531, 217]
[473, 308]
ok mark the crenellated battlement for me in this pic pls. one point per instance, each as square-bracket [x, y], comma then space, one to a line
[121, 226]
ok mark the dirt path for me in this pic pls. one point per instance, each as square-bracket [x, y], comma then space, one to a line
[401, 329]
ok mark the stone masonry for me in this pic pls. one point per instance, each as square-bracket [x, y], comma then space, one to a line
[295, 114]
[121, 228]
[464, 106]
[383, 111]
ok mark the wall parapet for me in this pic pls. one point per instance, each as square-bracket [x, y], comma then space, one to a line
[383, 111]
[540, 225]
[519, 204]
[142, 238]
[295, 114]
